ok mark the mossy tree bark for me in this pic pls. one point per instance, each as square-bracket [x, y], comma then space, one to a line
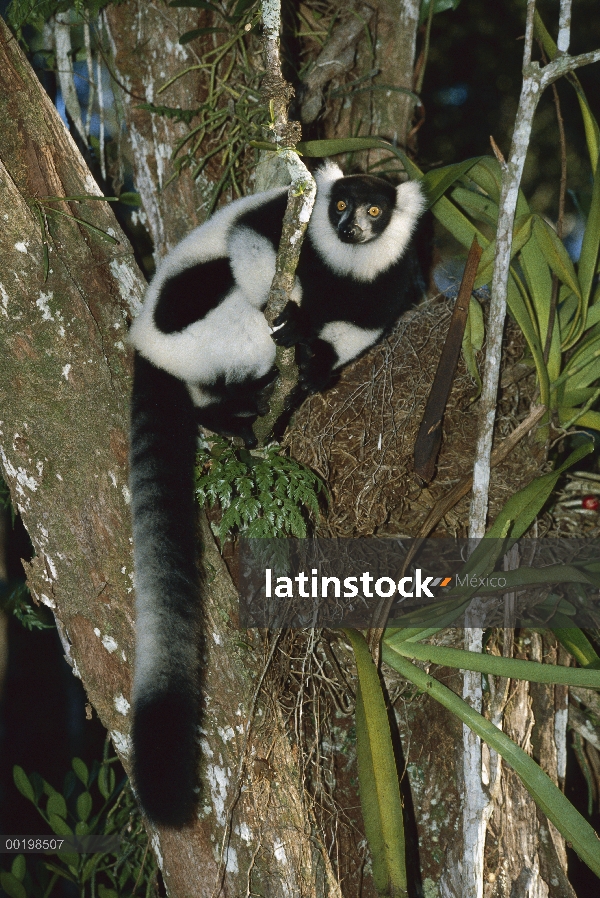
[143, 39]
[64, 387]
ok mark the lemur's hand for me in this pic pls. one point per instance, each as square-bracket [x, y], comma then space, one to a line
[290, 327]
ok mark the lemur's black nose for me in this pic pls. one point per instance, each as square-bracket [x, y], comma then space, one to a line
[351, 231]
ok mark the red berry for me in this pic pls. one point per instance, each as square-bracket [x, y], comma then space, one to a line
[590, 502]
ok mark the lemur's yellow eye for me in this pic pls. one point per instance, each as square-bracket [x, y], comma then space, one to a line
[374, 211]
[340, 206]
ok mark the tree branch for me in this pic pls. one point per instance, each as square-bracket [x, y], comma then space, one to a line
[301, 198]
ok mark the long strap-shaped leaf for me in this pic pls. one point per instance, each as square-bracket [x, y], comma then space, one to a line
[378, 777]
[550, 799]
[576, 642]
[492, 664]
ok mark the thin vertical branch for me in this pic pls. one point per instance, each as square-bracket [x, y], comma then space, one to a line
[301, 197]
[477, 802]
[529, 33]
[564, 26]
[511, 179]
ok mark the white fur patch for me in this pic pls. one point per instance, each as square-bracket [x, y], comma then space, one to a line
[328, 173]
[252, 260]
[232, 341]
[235, 330]
[363, 262]
[348, 340]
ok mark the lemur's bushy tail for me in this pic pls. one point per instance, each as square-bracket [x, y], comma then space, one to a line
[167, 585]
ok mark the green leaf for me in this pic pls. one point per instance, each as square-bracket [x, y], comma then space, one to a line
[578, 645]
[12, 886]
[575, 398]
[457, 223]
[241, 7]
[438, 6]
[106, 780]
[538, 278]
[130, 198]
[555, 254]
[569, 822]
[19, 867]
[81, 221]
[22, 783]
[82, 198]
[437, 181]
[521, 235]
[588, 419]
[56, 805]
[593, 315]
[524, 317]
[588, 259]
[103, 892]
[378, 777]
[325, 148]
[61, 872]
[480, 207]
[567, 308]
[477, 324]
[59, 826]
[84, 806]
[585, 376]
[497, 666]
[487, 175]
[81, 770]
[194, 4]
[523, 507]
[89, 867]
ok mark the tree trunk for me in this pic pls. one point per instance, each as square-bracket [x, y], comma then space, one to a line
[64, 387]
[144, 39]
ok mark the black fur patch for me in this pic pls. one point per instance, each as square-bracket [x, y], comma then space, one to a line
[162, 457]
[165, 756]
[266, 220]
[190, 295]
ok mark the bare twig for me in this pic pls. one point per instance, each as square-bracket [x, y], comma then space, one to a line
[497, 152]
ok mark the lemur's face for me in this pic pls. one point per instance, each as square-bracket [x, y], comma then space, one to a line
[360, 208]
